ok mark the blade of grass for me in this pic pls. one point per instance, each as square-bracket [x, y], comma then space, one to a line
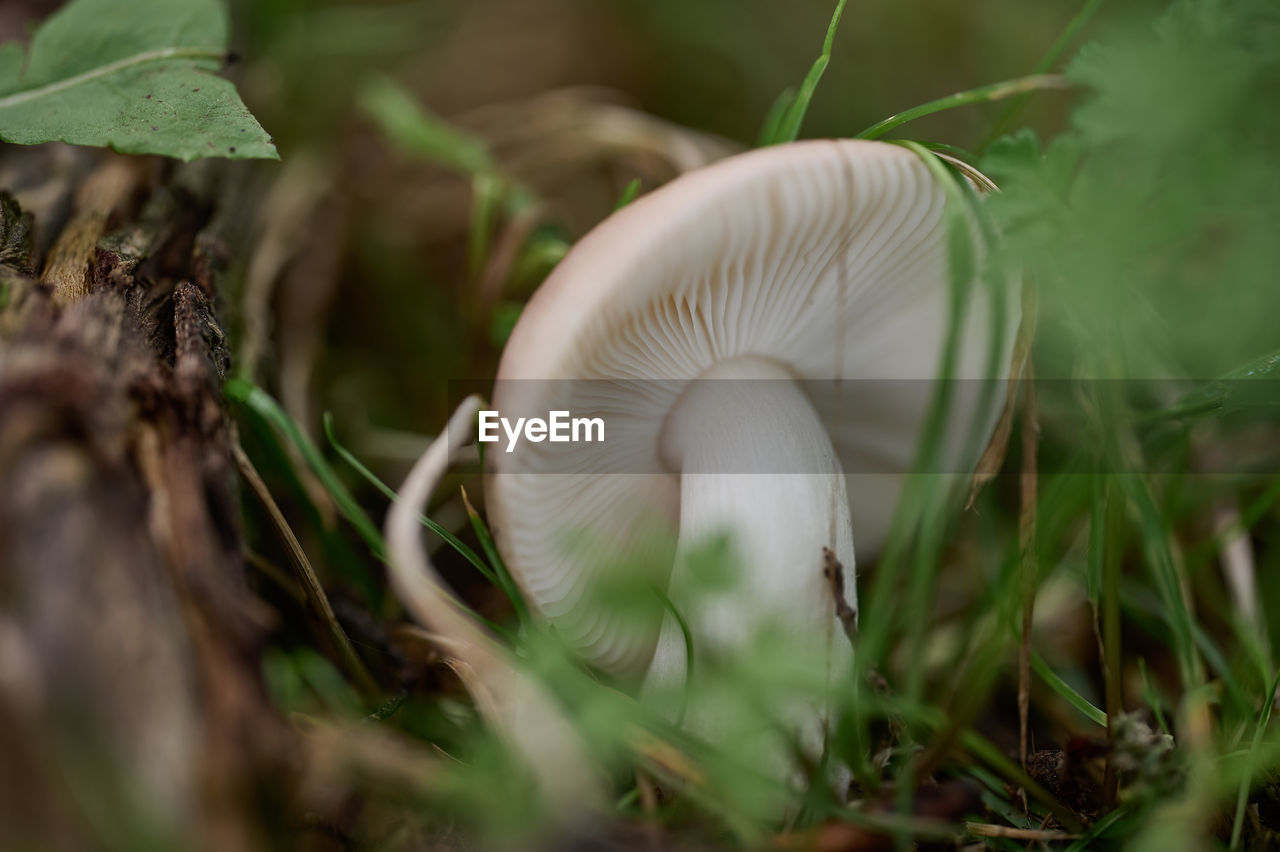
[389, 707]
[505, 581]
[1151, 696]
[1028, 563]
[985, 751]
[271, 451]
[956, 151]
[486, 195]
[788, 127]
[773, 118]
[1242, 798]
[1113, 673]
[262, 404]
[417, 131]
[1050, 59]
[1099, 828]
[918, 518]
[386, 491]
[1172, 586]
[1065, 690]
[982, 94]
[629, 193]
[1147, 611]
[960, 276]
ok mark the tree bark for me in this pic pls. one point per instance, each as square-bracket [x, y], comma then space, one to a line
[131, 711]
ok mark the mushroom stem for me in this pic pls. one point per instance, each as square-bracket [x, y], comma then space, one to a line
[757, 464]
[517, 707]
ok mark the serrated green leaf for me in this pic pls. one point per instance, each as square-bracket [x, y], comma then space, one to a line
[133, 75]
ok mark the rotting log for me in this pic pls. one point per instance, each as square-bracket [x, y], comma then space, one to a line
[131, 710]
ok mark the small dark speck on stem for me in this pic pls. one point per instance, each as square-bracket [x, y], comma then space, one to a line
[196, 89]
[833, 571]
[148, 97]
[232, 149]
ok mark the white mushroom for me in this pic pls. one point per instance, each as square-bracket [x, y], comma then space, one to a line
[753, 336]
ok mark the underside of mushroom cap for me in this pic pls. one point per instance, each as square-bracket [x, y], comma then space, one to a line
[828, 258]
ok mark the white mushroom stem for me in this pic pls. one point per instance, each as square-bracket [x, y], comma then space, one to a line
[757, 464]
[515, 705]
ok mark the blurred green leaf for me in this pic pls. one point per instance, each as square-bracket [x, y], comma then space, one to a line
[629, 193]
[503, 322]
[415, 130]
[133, 75]
[1151, 224]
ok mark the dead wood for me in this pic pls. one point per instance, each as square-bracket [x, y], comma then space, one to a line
[131, 710]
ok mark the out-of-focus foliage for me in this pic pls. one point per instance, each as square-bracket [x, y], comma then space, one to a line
[1151, 225]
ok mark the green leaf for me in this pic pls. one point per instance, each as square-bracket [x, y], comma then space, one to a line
[133, 75]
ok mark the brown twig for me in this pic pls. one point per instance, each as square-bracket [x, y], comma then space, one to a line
[305, 574]
[993, 456]
[1027, 548]
[649, 798]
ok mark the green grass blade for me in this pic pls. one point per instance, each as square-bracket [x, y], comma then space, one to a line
[1099, 828]
[920, 503]
[1242, 798]
[987, 752]
[263, 405]
[1171, 584]
[506, 582]
[773, 118]
[1046, 63]
[788, 127]
[628, 195]
[386, 491]
[982, 94]
[1066, 691]
[1152, 696]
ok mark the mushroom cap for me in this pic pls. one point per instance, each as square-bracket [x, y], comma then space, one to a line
[828, 257]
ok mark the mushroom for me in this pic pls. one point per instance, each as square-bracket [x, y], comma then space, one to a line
[516, 706]
[754, 336]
